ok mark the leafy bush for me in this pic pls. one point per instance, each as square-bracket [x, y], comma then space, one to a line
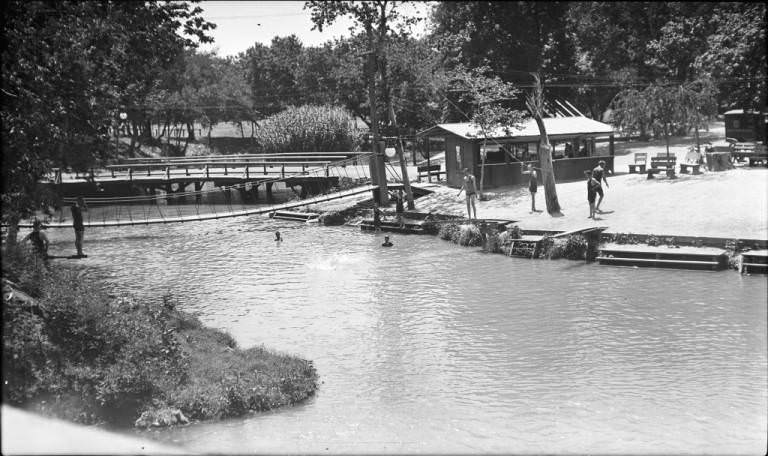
[572, 248]
[469, 235]
[466, 235]
[332, 218]
[449, 232]
[309, 129]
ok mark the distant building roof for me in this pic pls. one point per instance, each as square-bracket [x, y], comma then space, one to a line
[556, 126]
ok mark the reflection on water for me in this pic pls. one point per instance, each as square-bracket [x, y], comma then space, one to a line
[427, 347]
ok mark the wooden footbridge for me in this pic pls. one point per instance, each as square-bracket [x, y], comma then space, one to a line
[311, 171]
[319, 179]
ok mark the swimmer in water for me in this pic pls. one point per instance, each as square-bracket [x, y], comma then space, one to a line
[386, 242]
[278, 238]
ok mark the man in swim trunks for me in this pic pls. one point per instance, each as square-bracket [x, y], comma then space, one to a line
[592, 186]
[77, 209]
[471, 191]
[599, 174]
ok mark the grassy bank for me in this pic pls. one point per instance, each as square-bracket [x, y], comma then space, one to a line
[87, 356]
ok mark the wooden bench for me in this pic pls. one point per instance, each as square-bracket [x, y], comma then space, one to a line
[695, 168]
[639, 165]
[429, 171]
[661, 163]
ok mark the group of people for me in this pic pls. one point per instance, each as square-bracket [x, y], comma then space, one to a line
[595, 178]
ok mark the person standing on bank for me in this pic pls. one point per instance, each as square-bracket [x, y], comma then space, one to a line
[533, 185]
[592, 186]
[77, 209]
[470, 189]
[599, 174]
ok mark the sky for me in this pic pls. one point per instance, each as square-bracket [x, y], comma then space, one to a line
[240, 24]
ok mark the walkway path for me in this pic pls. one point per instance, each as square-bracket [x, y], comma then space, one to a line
[28, 433]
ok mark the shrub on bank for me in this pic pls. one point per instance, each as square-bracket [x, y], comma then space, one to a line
[92, 358]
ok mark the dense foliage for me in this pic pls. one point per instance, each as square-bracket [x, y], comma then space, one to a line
[89, 357]
[309, 129]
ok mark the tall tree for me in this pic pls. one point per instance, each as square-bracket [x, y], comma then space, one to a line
[535, 103]
[376, 19]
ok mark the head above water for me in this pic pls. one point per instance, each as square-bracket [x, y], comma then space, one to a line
[386, 238]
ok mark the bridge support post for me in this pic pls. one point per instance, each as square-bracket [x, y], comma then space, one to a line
[198, 195]
[268, 186]
[169, 193]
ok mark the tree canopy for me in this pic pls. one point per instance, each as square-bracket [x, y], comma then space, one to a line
[68, 69]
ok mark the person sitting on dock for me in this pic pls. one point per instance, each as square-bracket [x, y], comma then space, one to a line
[386, 242]
[471, 191]
[38, 239]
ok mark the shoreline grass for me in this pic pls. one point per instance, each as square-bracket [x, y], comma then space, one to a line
[91, 358]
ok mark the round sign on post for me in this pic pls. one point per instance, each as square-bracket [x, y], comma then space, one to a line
[390, 152]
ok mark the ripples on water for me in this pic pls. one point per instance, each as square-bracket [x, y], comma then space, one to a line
[427, 347]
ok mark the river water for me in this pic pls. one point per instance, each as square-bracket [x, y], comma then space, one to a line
[428, 347]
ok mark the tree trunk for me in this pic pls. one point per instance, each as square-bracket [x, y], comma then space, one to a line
[190, 134]
[547, 170]
[482, 167]
[13, 230]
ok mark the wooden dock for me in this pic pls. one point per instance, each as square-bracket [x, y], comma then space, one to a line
[701, 258]
[306, 217]
[754, 262]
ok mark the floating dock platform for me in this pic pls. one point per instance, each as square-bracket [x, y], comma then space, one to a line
[409, 226]
[702, 258]
[754, 262]
[296, 216]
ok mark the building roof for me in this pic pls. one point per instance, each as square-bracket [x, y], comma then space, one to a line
[556, 126]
